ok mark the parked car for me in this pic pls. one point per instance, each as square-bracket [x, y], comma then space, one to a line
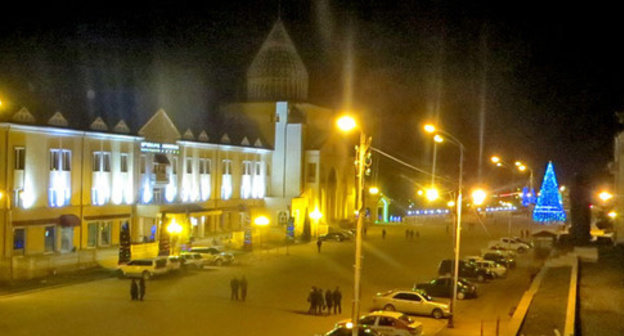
[525, 241]
[497, 269]
[174, 263]
[499, 258]
[192, 259]
[501, 249]
[411, 302]
[388, 323]
[348, 331]
[466, 270]
[213, 255]
[443, 287]
[335, 236]
[145, 268]
[510, 244]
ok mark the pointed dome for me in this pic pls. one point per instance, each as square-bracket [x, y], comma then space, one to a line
[277, 72]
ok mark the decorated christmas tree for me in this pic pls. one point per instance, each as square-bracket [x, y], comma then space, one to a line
[549, 206]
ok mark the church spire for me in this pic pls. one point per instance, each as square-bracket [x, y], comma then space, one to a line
[277, 72]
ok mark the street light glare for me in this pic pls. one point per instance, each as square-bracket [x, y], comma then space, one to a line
[373, 190]
[432, 194]
[612, 214]
[438, 138]
[346, 123]
[521, 168]
[478, 196]
[605, 196]
[316, 214]
[261, 221]
[429, 128]
[518, 164]
[495, 159]
[174, 227]
[450, 204]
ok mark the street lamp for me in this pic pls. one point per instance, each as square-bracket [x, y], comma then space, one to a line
[261, 221]
[429, 128]
[605, 196]
[346, 124]
[174, 230]
[478, 196]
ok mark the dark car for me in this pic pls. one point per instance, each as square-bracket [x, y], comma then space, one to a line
[466, 270]
[500, 259]
[443, 287]
[336, 236]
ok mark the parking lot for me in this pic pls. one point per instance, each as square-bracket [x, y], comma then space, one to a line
[199, 301]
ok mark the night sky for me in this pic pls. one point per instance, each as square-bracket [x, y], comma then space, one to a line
[549, 78]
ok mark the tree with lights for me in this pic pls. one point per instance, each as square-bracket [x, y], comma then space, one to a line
[549, 206]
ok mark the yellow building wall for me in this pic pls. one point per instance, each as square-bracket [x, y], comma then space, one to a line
[34, 240]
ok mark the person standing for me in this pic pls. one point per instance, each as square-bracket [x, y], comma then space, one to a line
[141, 289]
[320, 301]
[134, 290]
[337, 298]
[243, 288]
[319, 242]
[329, 300]
[383, 234]
[312, 300]
[234, 288]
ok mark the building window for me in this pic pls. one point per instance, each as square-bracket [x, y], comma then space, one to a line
[204, 179]
[101, 161]
[142, 164]
[226, 180]
[49, 239]
[174, 165]
[123, 162]
[246, 180]
[19, 157]
[311, 176]
[258, 181]
[189, 165]
[99, 234]
[60, 160]
[59, 191]
[19, 241]
[67, 239]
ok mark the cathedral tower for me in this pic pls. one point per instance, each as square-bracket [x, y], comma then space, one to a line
[277, 72]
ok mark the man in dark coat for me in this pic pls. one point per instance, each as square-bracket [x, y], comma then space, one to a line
[337, 298]
[141, 289]
[319, 242]
[320, 301]
[243, 287]
[383, 234]
[134, 290]
[312, 301]
[234, 287]
[329, 300]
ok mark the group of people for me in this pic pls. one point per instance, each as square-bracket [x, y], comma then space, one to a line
[137, 291]
[409, 234]
[324, 301]
[236, 285]
[525, 234]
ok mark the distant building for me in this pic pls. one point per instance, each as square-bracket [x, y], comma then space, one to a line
[618, 173]
[69, 192]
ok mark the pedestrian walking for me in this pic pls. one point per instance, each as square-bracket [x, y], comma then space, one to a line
[411, 234]
[243, 288]
[329, 300]
[337, 298]
[383, 234]
[234, 288]
[312, 300]
[134, 290]
[141, 289]
[319, 242]
[320, 301]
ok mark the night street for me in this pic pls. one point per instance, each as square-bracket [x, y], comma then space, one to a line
[278, 286]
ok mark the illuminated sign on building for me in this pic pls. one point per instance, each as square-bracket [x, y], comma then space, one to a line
[155, 147]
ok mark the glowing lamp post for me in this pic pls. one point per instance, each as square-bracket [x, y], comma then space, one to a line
[429, 128]
[346, 124]
[261, 221]
[605, 196]
[174, 229]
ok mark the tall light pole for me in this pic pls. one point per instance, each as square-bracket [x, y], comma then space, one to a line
[432, 129]
[346, 124]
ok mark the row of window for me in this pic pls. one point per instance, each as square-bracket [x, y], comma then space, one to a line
[99, 234]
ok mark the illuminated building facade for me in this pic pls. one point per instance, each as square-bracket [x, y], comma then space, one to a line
[68, 194]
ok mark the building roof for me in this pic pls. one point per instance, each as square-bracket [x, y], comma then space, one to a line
[277, 72]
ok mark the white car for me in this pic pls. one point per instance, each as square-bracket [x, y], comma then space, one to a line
[192, 259]
[174, 263]
[145, 268]
[510, 244]
[499, 270]
[411, 302]
[387, 323]
[214, 255]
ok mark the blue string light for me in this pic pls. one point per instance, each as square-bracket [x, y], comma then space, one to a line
[549, 206]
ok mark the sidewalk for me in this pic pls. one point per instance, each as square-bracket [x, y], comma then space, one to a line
[52, 281]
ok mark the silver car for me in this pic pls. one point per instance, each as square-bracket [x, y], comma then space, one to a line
[411, 302]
